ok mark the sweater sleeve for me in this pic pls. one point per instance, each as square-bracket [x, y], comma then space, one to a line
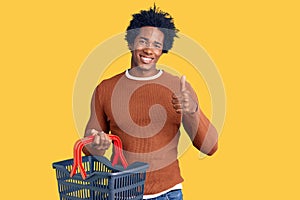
[100, 103]
[98, 119]
[200, 130]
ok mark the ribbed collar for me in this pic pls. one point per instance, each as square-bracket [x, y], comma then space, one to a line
[160, 72]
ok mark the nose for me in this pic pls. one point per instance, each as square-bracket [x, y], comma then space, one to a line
[148, 50]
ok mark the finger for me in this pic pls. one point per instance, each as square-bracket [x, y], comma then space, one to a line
[176, 96]
[94, 132]
[185, 95]
[179, 111]
[182, 83]
[177, 106]
[107, 141]
[96, 141]
[176, 101]
[103, 139]
[107, 138]
[186, 106]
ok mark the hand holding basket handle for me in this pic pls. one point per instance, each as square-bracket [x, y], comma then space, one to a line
[80, 144]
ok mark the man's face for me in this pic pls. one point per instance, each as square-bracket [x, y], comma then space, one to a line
[147, 48]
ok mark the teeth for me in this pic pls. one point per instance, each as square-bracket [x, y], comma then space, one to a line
[147, 60]
[144, 58]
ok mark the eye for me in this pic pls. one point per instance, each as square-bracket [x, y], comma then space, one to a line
[142, 42]
[158, 46]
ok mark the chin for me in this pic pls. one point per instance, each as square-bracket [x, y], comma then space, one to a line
[146, 67]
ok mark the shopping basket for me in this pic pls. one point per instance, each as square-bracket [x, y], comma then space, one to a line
[96, 178]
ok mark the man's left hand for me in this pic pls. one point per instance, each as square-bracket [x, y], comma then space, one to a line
[183, 102]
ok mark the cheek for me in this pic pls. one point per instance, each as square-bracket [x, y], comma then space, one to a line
[158, 54]
[135, 52]
[136, 46]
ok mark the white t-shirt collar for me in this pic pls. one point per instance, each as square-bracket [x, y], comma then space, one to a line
[160, 72]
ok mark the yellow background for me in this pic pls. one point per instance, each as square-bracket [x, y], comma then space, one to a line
[255, 45]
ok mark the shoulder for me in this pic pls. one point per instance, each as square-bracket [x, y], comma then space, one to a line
[107, 85]
[110, 81]
[170, 76]
[174, 80]
[170, 79]
[113, 79]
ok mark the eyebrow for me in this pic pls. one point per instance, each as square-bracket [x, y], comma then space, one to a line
[148, 40]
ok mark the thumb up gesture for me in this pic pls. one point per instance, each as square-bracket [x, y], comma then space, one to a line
[183, 102]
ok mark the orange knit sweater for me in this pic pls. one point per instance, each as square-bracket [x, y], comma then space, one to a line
[141, 113]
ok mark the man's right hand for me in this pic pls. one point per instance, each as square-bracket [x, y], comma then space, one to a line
[101, 140]
[99, 145]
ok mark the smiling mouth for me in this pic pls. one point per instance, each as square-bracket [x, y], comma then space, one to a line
[146, 60]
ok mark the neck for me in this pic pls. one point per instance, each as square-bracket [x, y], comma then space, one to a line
[141, 72]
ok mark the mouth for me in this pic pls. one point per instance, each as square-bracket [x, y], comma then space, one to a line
[145, 59]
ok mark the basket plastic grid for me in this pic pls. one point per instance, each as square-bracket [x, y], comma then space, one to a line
[103, 182]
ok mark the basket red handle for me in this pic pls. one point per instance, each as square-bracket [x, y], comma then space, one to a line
[89, 139]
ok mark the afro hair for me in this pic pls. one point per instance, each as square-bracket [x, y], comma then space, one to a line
[155, 18]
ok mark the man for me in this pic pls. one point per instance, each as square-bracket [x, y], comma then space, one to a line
[145, 107]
